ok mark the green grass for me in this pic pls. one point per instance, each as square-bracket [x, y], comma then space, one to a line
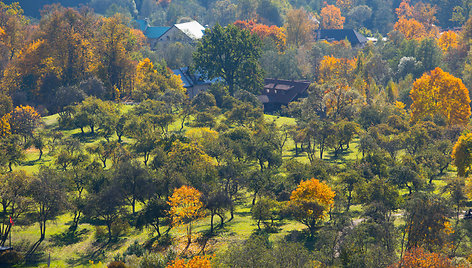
[78, 254]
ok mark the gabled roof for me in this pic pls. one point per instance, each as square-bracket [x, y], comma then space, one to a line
[192, 29]
[156, 32]
[194, 79]
[142, 24]
[351, 35]
[283, 91]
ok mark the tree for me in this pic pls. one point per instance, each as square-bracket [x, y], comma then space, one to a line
[462, 155]
[310, 202]
[300, 27]
[448, 40]
[106, 205]
[195, 262]
[49, 197]
[116, 68]
[217, 203]
[14, 201]
[152, 81]
[439, 93]
[232, 54]
[410, 28]
[153, 212]
[418, 257]
[427, 224]
[24, 120]
[265, 209]
[186, 207]
[135, 183]
[331, 17]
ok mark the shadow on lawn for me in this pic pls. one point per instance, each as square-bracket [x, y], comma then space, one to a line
[68, 238]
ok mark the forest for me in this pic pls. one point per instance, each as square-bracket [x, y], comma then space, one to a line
[107, 161]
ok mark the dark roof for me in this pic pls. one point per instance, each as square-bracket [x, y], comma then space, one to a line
[194, 79]
[351, 35]
[283, 91]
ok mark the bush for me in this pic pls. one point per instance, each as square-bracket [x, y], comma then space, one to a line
[10, 258]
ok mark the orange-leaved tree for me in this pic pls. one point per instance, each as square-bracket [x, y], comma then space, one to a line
[185, 207]
[419, 257]
[331, 16]
[310, 201]
[274, 33]
[410, 28]
[448, 40]
[195, 262]
[404, 10]
[462, 155]
[439, 93]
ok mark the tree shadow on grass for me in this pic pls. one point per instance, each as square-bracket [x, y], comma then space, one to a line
[96, 252]
[86, 137]
[68, 237]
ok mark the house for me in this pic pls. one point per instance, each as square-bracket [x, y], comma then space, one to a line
[188, 32]
[355, 38]
[193, 81]
[278, 93]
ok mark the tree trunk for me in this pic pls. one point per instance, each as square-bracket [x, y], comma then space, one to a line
[211, 222]
[40, 154]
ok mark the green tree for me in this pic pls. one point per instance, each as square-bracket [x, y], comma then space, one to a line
[232, 54]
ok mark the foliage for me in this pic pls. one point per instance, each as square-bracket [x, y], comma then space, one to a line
[232, 54]
[462, 155]
[195, 262]
[438, 93]
[310, 202]
[331, 16]
[300, 27]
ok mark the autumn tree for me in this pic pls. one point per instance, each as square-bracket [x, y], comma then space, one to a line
[24, 120]
[448, 40]
[410, 28]
[152, 81]
[274, 33]
[331, 17]
[195, 262]
[186, 207]
[419, 257]
[439, 93]
[14, 31]
[232, 54]
[310, 202]
[300, 27]
[115, 43]
[332, 68]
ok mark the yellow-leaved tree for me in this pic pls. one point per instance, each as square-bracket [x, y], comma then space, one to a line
[462, 155]
[310, 202]
[439, 93]
[151, 80]
[448, 40]
[186, 207]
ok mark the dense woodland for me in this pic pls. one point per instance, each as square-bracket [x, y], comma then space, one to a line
[105, 161]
